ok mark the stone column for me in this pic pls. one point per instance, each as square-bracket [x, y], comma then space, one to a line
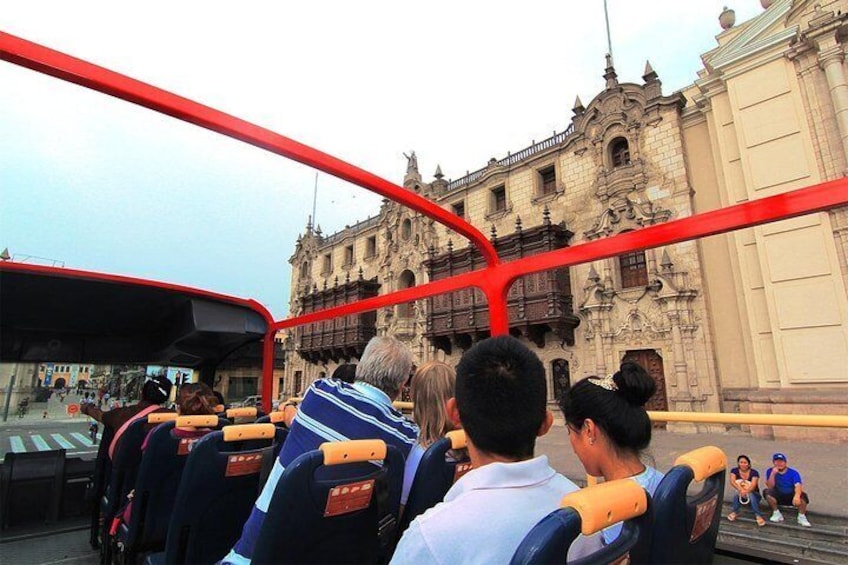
[831, 59]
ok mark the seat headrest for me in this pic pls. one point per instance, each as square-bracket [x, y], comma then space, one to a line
[242, 432]
[353, 451]
[402, 405]
[197, 421]
[277, 417]
[161, 417]
[704, 461]
[603, 505]
[458, 439]
[247, 412]
[219, 409]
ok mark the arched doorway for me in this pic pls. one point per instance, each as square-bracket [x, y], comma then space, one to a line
[59, 383]
[560, 377]
[406, 280]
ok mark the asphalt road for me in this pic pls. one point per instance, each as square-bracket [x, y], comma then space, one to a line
[30, 437]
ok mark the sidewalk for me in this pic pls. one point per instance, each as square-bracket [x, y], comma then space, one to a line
[56, 413]
[823, 466]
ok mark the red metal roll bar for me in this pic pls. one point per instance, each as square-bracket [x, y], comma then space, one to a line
[496, 278]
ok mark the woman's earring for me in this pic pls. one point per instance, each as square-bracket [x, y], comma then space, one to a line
[591, 441]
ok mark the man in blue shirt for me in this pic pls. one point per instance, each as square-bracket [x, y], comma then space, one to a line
[501, 402]
[784, 487]
[333, 410]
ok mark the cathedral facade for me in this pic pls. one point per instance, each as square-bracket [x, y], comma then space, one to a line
[752, 321]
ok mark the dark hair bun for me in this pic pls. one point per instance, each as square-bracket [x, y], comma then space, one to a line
[634, 384]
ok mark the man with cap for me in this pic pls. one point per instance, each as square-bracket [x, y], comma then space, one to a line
[784, 487]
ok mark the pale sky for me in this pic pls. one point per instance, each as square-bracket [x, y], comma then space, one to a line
[104, 185]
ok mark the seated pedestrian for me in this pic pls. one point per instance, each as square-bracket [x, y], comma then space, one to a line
[745, 481]
[785, 488]
[501, 402]
[333, 409]
[609, 428]
[433, 384]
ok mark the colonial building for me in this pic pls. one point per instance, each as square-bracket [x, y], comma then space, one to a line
[751, 321]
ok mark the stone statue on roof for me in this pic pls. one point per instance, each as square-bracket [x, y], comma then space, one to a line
[411, 162]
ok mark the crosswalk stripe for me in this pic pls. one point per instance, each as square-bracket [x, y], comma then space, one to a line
[60, 439]
[17, 444]
[39, 442]
[83, 439]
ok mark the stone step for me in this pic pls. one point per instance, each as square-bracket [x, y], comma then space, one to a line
[786, 542]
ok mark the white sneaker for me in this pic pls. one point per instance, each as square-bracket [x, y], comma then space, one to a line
[776, 516]
[802, 520]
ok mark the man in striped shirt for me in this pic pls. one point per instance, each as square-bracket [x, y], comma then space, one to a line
[336, 411]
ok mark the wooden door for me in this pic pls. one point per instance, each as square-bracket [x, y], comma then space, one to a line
[653, 363]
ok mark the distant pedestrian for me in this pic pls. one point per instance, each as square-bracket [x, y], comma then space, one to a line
[93, 428]
[44, 415]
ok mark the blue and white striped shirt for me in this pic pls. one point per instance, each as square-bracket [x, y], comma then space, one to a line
[331, 411]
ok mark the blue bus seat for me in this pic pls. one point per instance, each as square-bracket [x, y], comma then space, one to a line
[159, 475]
[125, 461]
[586, 512]
[332, 505]
[216, 494]
[32, 487]
[102, 474]
[686, 526]
[434, 477]
[276, 418]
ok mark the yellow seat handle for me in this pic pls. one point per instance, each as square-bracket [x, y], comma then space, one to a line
[197, 421]
[458, 439]
[161, 417]
[704, 461]
[353, 451]
[246, 412]
[608, 503]
[242, 432]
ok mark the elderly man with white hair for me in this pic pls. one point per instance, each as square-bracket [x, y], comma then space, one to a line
[333, 410]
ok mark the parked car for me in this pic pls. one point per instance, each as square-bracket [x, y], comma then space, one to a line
[255, 400]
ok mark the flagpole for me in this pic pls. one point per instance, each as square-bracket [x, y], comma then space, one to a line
[609, 40]
[314, 201]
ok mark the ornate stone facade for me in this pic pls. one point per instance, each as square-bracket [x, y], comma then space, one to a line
[692, 313]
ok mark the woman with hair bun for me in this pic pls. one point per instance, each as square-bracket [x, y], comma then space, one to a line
[609, 427]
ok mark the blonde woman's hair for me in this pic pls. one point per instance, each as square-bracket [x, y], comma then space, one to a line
[432, 385]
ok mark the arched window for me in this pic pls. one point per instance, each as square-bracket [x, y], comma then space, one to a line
[619, 152]
[634, 270]
[406, 280]
[406, 229]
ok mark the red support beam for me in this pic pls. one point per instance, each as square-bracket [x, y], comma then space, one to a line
[54, 63]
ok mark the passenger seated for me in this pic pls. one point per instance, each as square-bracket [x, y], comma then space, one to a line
[501, 400]
[193, 399]
[154, 392]
[333, 410]
[746, 482]
[433, 384]
[608, 427]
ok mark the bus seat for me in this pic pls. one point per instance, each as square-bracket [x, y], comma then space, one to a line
[276, 418]
[102, 474]
[586, 512]
[125, 461]
[434, 477]
[347, 516]
[32, 487]
[159, 475]
[243, 415]
[161, 417]
[686, 526]
[219, 485]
